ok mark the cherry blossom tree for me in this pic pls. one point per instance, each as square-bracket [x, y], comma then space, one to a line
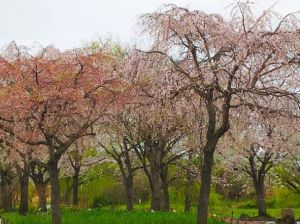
[243, 61]
[153, 123]
[259, 143]
[56, 97]
[230, 182]
[114, 140]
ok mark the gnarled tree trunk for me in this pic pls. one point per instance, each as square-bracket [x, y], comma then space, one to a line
[55, 192]
[213, 135]
[68, 191]
[259, 186]
[24, 182]
[129, 194]
[206, 172]
[6, 191]
[259, 166]
[75, 185]
[38, 176]
[165, 189]
[156, 186]
[41, 190]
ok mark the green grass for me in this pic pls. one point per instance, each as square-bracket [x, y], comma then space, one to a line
[110, 216]
[105, 216]
[227, 212]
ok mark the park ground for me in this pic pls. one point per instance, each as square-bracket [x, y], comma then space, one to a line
[119, 216]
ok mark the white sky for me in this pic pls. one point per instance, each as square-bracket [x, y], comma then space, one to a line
[68, 23]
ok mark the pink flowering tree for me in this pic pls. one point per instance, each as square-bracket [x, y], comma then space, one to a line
[256, 144]
[242, 61]
[112, 138]
[56, 97]
[154, 122]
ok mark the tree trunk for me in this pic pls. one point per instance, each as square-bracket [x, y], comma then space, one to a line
[127, 181]
[129, 178]
[24, 181]
[206, 172]
[188, 193]
[165, 188]
[75, 186]
[6, 199]
[55, 192]
[129, 193]
[37, 174]
[41, 190]
[68, 191]
[9, 206]
[155, 189]
[6, 192]
[166, 200]
[260, 195]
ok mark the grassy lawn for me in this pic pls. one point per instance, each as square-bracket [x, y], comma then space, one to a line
[108, 217]
[227, 212]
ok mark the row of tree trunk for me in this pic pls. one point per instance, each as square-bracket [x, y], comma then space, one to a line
[6, 189]
[23, 175]
[160, 200]
[72, 189]
[160, 196]
[40, 180]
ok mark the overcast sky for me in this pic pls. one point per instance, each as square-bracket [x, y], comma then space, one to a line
[68, 23]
